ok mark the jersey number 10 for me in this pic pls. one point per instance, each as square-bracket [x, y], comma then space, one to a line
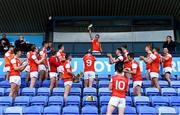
[120, 85]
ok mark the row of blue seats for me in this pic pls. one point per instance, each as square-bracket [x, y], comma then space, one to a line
[76, 100]
[89, 92]
[87, 110]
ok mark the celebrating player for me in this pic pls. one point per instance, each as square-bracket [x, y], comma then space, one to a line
[27, 69]
[7, 60]
[89, 71]
[61, 58]
[53, 63]
[154, 59]
[167, 65]
[118, 61]
[43, 66]
[33, 63]
[96, 45]
[68, 76]
[118, 84]
[15, 68]
[136, 74]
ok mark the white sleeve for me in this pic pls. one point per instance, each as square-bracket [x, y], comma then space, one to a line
[120, 58]
[41, 52]
[34, 57]
[67, 66]
[7, 54]
[153, 57]
[134, 66]
[111, 80]
[13, 61]
[58, 54]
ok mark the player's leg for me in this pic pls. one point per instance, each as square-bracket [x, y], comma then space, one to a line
[46, 75]
[156, 83]
[53, 82]
[137, 88]
[86, 79]
[91, 78]
[147, 75]
[13, 90]
[33, 76]
[41, 77]
[110, 109]
[67, 89]
[121, 106]
[167, 77]
[113, 102]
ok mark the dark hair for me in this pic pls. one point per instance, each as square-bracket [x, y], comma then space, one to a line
[169, 36]
[97, 35]
[33, 47]
[120, 49]
[149, 45]
[17, 50]
[119, 69]
[60, 46]
[131, 55]
[67, 56]
[157, 49]
[11, 46]
[44, 42]
[124, 46]
[53, 52]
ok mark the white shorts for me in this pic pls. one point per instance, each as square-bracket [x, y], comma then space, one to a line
[34, 74]
[117, 102]
[42, 67]
[167, 69]
[68, 83]
[6, 69]
[60, 69]
[154, 75]
[15, 79]
[27, 69]
[137, 83]
[89, 74]
[52, 75]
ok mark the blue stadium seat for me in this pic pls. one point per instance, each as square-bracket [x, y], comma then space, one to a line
[2, 90]
[87, 102]
[174, 100]
[43, 91]
[6, 101]
[129, 101]
[104, 100]
[70, 110]
[46, 83]
[23, 75]
[23, 84]
[2, 78]
[167, 110]
[75, 91]
[103, 84]
[103, 77]
[73, 100]
[89, 91]
[56, 100]
[13, 111]
[5, 84]
[7, 91]
[130, 83]
[104, 110]
[163, 84]
[60, 83]
[39, 100]
[130, 110]
[52, 110]
[77, 85]
[151, 92]
[175, 84]
[145, 110]
[141, 100]
[104, 92]
[89, 110]
[28, 91]
[131, 91]
[2, 109]
[146, 84]
[22, 101]
[33, 110]
[94, 84]
[38, 84]
[168, 92]
[178, 91]
[159, 101]
[58, 91]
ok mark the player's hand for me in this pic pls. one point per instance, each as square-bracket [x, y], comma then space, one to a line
[109, 55]
[89, 27]
[141, 57]
[126, 70]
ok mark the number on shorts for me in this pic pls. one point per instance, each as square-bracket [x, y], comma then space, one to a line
[88, 62]
[120, 85]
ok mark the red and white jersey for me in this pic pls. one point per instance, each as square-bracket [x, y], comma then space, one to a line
[148, 66]
[167, 63]
[67, 67]
[137, 76]
[42, 52]
[14, 72]
[89, 61]
[59, 54]
[156, 60]
[8, 57]
[119, 86]
[33, 65]
[128, 63]
[95, 45]
[53, 63]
